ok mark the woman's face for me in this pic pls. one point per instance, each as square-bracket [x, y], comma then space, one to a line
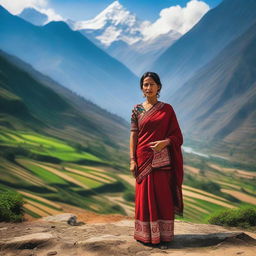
[150, 87]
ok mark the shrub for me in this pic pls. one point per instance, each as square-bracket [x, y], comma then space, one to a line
[205, 185]
[11, 206]
[115, 208]
[129, 196]
[9, 156]
[240, 217]
[208, 186]
[46, 158]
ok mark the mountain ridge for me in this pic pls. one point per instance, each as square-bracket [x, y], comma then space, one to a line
[34, 16]
[65, 113]
[72, 60]
[223, 90]
[218, 27]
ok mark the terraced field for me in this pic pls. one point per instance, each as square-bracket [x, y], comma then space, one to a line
[46, 186]
[45, 146]
[235, 190]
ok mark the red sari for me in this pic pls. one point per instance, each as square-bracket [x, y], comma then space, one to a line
[158, 192]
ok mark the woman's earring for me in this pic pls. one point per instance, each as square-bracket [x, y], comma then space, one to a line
[157, 94]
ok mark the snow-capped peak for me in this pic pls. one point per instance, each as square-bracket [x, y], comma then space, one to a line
[114, 13]
[114, 6]
[114, 23]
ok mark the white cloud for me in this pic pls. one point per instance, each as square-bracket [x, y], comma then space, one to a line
[16, 6]
[52, 15]
[176, 18]
[173, 18]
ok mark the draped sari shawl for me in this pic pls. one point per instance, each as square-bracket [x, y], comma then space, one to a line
[159, 123]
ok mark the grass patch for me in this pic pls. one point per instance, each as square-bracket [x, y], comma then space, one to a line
[42, 203]
[45, 175]
[129, 196]
[11, 206]
[37, 144]
[87, 181]
[210, 187]
[244, 217]
[32, 214]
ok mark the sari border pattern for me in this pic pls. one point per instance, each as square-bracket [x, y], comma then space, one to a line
[146, 169]
[154, 231]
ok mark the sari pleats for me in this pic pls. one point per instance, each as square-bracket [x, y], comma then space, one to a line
[154, 209]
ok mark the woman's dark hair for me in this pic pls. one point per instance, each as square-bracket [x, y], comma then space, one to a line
[154, 76]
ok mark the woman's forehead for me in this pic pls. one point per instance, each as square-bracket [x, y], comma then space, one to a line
[149, 79]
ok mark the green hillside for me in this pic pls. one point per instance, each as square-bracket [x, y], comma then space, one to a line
[221, 97]
[57, 150]
[40, 125]
[28, 104]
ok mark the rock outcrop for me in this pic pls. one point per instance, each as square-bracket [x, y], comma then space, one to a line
[55, 235]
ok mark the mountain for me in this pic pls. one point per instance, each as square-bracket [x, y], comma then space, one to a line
[120, 33]
[34, 16]
[140, 55]
[208, 37]
[218, 103]
[72, 60]
[114, 126]
[31, 101]
[112, 24]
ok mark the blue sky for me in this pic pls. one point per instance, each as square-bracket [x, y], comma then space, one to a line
[144, 9]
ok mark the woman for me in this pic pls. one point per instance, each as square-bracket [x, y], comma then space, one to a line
[158, 193]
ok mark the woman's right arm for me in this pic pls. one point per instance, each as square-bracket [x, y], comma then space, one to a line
[133, 146]
[133, 140]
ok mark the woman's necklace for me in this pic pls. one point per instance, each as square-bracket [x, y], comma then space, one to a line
[148, 104]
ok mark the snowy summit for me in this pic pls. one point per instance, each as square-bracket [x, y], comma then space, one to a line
[112, 24]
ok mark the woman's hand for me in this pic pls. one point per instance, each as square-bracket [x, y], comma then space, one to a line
[133, 167]
[159, 144]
